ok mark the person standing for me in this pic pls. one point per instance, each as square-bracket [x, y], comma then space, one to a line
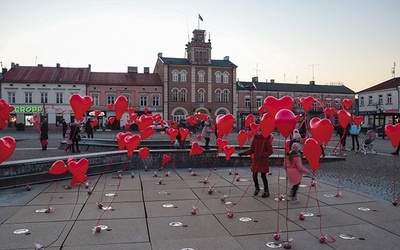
[206, 132]
[74, 136]
[64, 127]
[294, 170]
[261, 148]
[44, 134]
[354, 131]
[89, 128]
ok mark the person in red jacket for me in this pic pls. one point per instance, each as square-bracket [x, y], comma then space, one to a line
[261, 149]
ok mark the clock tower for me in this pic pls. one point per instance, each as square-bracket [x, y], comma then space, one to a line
[198, 50]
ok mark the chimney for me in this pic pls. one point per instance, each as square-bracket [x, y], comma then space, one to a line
[132, 69]
[160, 54]
[12, 65]
[226, 58]
[146, 70]
[272, 80]
[58, 65]
[254, 79]
[90, 66]
[312, 82]
[40, 65]
[4, 70]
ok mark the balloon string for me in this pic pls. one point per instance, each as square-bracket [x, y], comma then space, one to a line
[394, 180]
[55, 189]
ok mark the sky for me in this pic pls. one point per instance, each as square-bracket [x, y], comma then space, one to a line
[351, 42]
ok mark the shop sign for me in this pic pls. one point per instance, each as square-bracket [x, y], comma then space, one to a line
[27, 109]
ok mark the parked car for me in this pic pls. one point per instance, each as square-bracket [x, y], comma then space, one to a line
[160, 125]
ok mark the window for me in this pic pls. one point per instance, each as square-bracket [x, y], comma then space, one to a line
[259, 101]
[201, 93]
[315, 106]
[59, 98]
[201, 76]
[174, 95]
[28, 97]
[389, 98]
[380, 99]
[11, 97]
[226, 77]
[183, 95]
[178, 115]
[247, 101]
[183, 76]
[362, 101]
[43, 98]
[128, 98]
[143, 101]
[337, 105]
[218, 77]
[174, 75]
[156, 100]
[370, 102]
[225, 96]
[218, 95]
[110, 99]
[329, 104]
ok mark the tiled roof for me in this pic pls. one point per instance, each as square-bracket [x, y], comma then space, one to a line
[40, 74]
[184, 61]
[306, 88]
[148, 79]
[389, 84]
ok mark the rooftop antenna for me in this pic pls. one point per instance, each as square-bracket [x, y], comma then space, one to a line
[394, 70]
[313, 65]
[284, 78]
[256, 69]
[35, 60]
[297, 79]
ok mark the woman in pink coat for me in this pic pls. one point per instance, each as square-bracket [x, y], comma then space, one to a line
[294, 170]
[261, 149]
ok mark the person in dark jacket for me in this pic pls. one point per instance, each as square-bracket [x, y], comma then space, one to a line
[89, 128]
[74, 136]
[44, 134]
[64, 127]
[261, 149]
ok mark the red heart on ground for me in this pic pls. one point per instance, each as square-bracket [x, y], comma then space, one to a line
[78, 170]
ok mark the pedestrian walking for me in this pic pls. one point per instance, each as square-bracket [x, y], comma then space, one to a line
[64, 127]
[89, 128]
[206, 132]
[354, 131]
[261, 149]
[68, 141]
[44, 134]
[75, 137]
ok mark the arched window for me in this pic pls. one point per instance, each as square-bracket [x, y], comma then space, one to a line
[201, 95]
[183, 75]
[225, 96]
[183, 95]
[218, 95]
[201, 76]
[178, 115]
[175, 95]
[175, 75]
[226, 77]
[218, 77]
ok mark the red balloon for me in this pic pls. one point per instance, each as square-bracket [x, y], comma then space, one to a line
[344, 118]
[242, 137]
[254, 126]
[80, 105]
[225, 124]
[348, 103]
[144, 121]
[312, 152]
[144, 153]
[131, 143]
[146, 110]
[172, 132]
[97, 112]
[121, 139]
[58, 167]
[307, 102]
[285, 121]
[228, 150]
[120, 106]
[393, 132]
[249, 119]
[261, 110]
[329, 112]
[273, 105]
[131, 111]
[147, 132]
[110, 106]
[94, 123]
[221, 143]
[165, 159]
[183, 132]
[250, 134]
[267, 124]
[321, 130]
[158, 118]
[5, 110]
[78, 170]
[196, 149]
[198, 137]
[358, 120]
[7, 147]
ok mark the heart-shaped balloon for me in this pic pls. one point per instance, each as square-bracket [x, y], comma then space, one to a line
[267, 124]
[145, 121]
[228, 150]
[273, 105]
[348, 103]
[285, 121]
[147, 132]
[393, 132]
[329, 112]
[146, 110]
[121, 139]
[94, 123]
[80, 105]
[221, 143]
[249, 119]
[158, 118]
[7, 147]
[321, 130]
[131, 111]
[198, 137]
[358, 120]
[242, 137]
[78, 170]
[165, 159]
[250, 134]
[173, 133]
[196, 149]
[312, 152]
[307, 102]
[97, 112]
[111, 120]
[144, 153]
[110, 106]
[131, 143]
[120, 106]
[261, 110]
[254, 126]
[58, 167]
[224, 124]
[344, 118]
[183, 132]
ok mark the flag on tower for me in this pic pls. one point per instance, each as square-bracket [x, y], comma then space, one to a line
[254, 85]
[201, 19]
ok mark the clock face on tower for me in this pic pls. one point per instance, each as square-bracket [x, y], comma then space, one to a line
[200, 38]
